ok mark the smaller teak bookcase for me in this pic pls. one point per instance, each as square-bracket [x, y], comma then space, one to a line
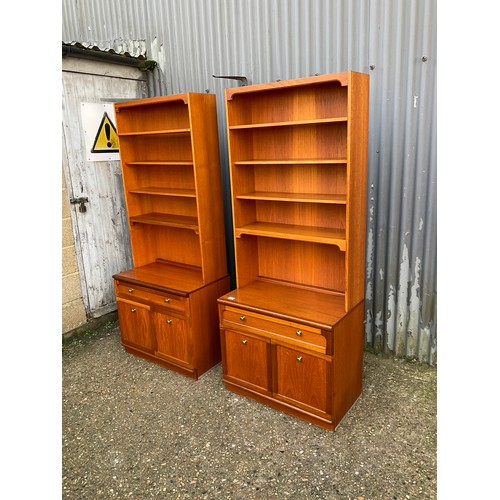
[292, 330]
[167, 304]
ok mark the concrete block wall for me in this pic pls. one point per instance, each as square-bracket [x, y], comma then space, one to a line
[73, 309]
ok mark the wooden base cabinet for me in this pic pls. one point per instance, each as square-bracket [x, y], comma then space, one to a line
[176, 329]
[311, 372]
[292, 330]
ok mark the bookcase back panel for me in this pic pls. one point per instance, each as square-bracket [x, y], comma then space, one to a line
[248, 266]
[150, 243]
[313, 179]
[172, 176]
[305, 142]
[175, 147]
[303, 214]
[319, 101]
[154, 117]
[306, 263]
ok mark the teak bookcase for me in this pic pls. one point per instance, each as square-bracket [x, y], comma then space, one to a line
[167, 304]
[292, 331]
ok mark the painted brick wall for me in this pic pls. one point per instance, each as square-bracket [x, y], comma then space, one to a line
[73, 309]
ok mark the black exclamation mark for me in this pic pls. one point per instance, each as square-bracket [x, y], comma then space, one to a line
[107, 129]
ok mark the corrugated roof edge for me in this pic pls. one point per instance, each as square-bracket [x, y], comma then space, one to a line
[88, 51]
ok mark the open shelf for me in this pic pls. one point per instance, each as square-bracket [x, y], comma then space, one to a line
[161, 163]
[289, 123]
[311, 161]
[330, 199]
[326, 236]
[158, 191]
[165, 276]
[154, 132]
[156, 219]
[313, 306]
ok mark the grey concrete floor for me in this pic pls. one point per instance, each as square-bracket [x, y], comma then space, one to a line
[131, 429]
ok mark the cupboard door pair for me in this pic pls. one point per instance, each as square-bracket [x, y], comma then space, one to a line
[289, 375]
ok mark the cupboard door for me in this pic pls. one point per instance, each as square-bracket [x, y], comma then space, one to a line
[303, 380]
[171, 337]
[135, 325]
[246, 361]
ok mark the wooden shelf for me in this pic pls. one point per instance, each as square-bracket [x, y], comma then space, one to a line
[322, 235]
[331, 199]
[158, 191]
[169, 220]
[316, 308]
[154, 132]
[312, 161]
[165, 276]
[161, 163]
[319, 121]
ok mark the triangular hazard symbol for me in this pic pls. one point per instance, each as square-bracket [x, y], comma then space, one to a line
[106, 139]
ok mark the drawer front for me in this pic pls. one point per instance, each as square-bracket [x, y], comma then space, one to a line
[149, 296]
[288, 331]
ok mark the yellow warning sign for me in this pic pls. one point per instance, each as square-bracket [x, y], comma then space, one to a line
[106, 139]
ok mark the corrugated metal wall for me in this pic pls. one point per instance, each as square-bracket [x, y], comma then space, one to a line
[266, 40]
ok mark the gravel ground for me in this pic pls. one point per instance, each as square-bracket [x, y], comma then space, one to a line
[131, 429]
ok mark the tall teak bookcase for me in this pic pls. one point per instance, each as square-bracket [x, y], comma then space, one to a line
[167, 304]
[292, 330]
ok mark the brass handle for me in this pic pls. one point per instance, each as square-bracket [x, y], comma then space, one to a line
[299, 333]
[130, 290]
[133, 310]
[299, 359]
[169, 321]
[243, 318]
[244, 341]
[167, 300]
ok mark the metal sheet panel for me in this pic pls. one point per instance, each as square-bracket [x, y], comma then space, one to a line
[268, 40]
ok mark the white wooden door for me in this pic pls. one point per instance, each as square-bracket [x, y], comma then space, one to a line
[100, 229]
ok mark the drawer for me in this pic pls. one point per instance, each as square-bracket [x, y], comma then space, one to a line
[147, 295]
[274, 328]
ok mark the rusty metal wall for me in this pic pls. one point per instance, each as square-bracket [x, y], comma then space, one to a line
[266, 40]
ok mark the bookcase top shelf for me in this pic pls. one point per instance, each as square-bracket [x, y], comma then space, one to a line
[341, 78]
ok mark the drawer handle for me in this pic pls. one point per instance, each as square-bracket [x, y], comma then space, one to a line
[169, 321]
[244, 341]
[299, 333]
[243, 318]
[130, 290]
[299, 359]
[133, 310]
[167, 300]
